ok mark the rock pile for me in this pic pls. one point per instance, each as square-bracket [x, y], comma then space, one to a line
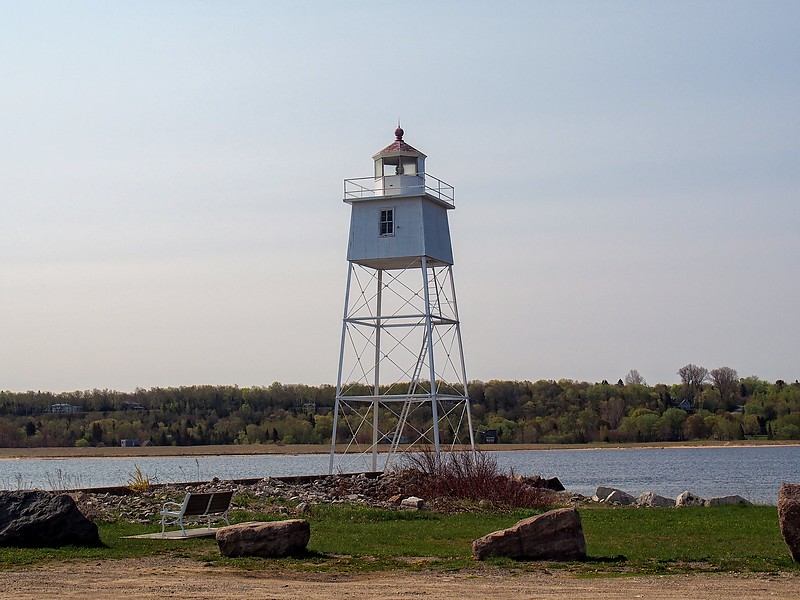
[287, 496]
[651, 499]
[269, 495]
[298, 496]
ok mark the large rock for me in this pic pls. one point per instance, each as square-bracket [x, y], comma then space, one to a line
[727, 501]
[613, 496]
[651, 499]
[554, 535]
[603, 492]
[789, 517]
[554, 483]
[40, 519]
[272, 539]
[412, 502]
[620, 498]
[689, 499]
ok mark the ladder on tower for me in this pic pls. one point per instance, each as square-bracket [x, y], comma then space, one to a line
[434, 296]
[412, 389]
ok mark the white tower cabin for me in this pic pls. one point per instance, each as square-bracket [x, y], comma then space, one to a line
[402, 381]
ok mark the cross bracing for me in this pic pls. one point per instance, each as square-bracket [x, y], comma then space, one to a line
[402, 380]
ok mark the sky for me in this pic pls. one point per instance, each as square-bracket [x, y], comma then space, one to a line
[627, 184]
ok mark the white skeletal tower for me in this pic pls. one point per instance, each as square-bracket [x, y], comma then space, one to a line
[402, 381]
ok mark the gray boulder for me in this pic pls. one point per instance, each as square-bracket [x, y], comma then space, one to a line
[40, 519]
[554, 535]
[689, 499]
[273, 539]
[727, 501]
[620, 498]
[603, 492]
[412, 502]
[651, 500]
[789, 517]
[613, 496]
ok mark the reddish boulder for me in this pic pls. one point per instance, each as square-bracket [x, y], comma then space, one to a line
[271, 539]
[789, 517]
[554, 535]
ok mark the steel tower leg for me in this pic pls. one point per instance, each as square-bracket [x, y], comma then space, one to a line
[376, 390]
[467, 407]
[429, 334]
[336, 406]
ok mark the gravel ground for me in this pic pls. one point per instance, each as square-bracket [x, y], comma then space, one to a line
[158, 577]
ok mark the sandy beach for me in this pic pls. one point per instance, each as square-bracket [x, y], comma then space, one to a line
[325, 448]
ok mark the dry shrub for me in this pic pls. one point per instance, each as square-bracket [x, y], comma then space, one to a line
[453, 479]
[138, 482]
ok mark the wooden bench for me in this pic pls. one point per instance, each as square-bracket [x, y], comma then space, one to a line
[208, 506]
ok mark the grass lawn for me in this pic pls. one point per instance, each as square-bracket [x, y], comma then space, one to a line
[351, 538]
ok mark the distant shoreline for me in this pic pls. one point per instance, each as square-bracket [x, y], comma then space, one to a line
[250, 449]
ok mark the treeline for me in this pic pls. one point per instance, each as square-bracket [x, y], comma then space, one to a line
[183, 416]
[703, 406]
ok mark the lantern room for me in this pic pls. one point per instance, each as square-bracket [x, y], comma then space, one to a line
[399, 168]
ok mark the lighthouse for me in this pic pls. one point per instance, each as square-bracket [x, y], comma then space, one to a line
[401, 382]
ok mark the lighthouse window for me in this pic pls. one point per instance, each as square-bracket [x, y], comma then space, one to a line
[396, 165]
[387, 221]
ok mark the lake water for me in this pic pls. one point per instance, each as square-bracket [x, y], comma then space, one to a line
[755, 473]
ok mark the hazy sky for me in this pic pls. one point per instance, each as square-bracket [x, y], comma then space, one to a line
[627, 180]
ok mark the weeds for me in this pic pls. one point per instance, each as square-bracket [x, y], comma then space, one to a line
[138, 481]
[449, 479]
[63, 481]
[57, 482]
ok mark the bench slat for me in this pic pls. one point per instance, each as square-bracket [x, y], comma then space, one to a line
[220, 502]
[197, 504]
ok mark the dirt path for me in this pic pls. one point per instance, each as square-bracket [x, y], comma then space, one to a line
[135, 579]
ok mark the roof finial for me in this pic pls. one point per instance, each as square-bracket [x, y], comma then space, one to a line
[398, 133]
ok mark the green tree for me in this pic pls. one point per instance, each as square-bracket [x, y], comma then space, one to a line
[670, 424]
[694, 428]
[751, 425]
[646, 424]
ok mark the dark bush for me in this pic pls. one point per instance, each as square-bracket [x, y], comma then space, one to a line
[453, 480]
